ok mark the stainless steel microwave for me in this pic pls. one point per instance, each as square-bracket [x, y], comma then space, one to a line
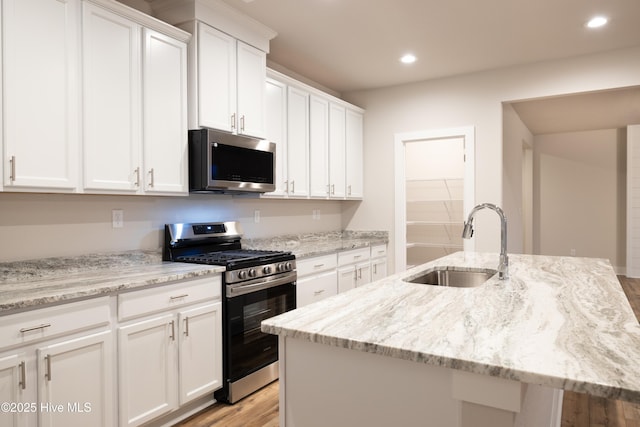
[225, 163]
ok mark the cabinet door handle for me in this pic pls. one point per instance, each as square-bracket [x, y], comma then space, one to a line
[47, 373]
[375, 268]
[286, 186]
[349, 190]
[12, 173]
[293, 186]
[173, 330]
[35, 328]
[242, 123]
[151, 176]
[137, 173]
[23, 375]
[178, 297]
[186, 326]
[233, 121]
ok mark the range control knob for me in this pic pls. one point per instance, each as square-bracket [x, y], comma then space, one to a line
[267, 269]
[281, 267]
[242, 274]
[288, 266]
[252, 272]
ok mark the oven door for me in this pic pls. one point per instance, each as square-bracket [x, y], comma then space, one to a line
[248, 349]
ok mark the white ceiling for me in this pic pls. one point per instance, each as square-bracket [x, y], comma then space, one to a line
[350, 45]
[347, 45]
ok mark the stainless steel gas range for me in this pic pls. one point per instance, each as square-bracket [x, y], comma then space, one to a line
[257, 285]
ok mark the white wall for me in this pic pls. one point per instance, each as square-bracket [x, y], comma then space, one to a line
[580, 194]
[469, 100]
[46, 225]
[515, 134]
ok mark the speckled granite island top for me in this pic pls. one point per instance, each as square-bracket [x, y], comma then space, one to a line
[30, 284]
[561, 322]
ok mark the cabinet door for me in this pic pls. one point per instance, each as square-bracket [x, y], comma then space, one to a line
[147, 369]
[216, 79]
[315, 288]
[298, 142]
[200, 351]
[347, 278]
[378, 269]
[252, 71]
[337, 140]
[363, 274]
[111, 101]
[276, 112]
[318, 147]
[165, 114]
[76, 382]
[354, 161]
[41, 89]
[13, 389]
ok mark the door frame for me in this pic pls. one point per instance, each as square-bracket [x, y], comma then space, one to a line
[467, 133]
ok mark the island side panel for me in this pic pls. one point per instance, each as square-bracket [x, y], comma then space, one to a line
[323, 385]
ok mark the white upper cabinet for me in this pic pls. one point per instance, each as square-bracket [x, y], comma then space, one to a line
[337, 138]
[134, 105]
[229, 86]
[276, 114]
[164, 77]
[111, 100]
[40, 111]
[321, 154]
[318, 147]
[354, 157]
[297, 142]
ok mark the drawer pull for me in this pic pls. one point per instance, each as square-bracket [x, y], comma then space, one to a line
[35, 328]
[23, 376]
[357, 256]
[179, 297]
[47, 373]
[318, 265]
[318, 292]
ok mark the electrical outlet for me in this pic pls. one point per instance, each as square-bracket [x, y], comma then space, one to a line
[572, 252]
[256, 216]
[317, 214]
[117, 218]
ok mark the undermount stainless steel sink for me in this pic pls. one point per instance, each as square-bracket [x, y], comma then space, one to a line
[445, 276]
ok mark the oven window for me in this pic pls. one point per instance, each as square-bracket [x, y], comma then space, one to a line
[249, 348]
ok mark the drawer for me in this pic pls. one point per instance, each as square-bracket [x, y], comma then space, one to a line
[316, 288]
[43, 323]
[163, 298]
[353, 256]
[317, 264]
[378, 251]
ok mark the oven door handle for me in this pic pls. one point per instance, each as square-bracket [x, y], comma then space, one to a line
[259, 285]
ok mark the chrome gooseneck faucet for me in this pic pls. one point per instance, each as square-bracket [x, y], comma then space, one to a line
[467, 233]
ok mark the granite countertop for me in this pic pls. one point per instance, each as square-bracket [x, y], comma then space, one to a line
[29, 284]
[315, 244]
[561, 322]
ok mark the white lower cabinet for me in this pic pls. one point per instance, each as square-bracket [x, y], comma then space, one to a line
[317, 279]
[354, 269]
[171, 352]
[57, 366]
[378, 262]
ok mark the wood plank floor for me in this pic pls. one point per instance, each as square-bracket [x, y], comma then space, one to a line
[578, 410]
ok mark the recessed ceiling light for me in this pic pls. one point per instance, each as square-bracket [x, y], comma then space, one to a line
[408, 59]
[596, 22]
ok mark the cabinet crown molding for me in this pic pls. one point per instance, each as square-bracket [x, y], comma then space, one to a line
[217, 14]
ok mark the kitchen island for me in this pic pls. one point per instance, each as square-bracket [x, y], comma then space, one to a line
[399, 353]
